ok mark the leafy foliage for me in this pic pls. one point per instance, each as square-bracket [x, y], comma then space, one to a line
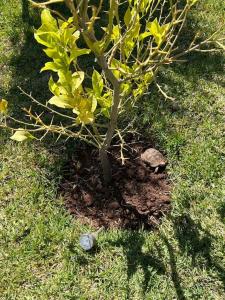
[133, 47]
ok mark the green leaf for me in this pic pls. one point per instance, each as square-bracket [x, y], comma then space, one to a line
[67, 36]
[65, 77]
[129, 46]
[65, 81]
[52, 66]
[125, 88]
[106, 100]
[85, 117]
[135, 31]
[21, 135]
[75, 52]
[159, 32]
[145, 5]
[3, 106]
[116, 33]
[148, 77]
[65, 24]
[144, 35]
[94, 104]
[62, 101]
[97, 83]
[127, 17]
[77, 79]
[48, 20]
[53, 53]
[84, 109]
[47, 38]
[53, 87]
[122, 68]
[47, 33]
[155, 30]
[105, 111]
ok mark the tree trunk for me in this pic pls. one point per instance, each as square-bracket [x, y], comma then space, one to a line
[105, 163]
[106, 166]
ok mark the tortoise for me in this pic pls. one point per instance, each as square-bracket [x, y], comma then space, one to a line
[154, 158]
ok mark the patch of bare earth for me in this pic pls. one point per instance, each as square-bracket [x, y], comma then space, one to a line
[137, 198]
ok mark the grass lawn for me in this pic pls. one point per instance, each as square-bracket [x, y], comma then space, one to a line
[185, 258]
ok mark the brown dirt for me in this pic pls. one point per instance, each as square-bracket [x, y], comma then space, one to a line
[137, 198]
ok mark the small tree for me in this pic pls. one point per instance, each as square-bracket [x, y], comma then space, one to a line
[140, 36]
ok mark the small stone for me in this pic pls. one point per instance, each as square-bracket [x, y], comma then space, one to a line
[154, 158]
[87, 241]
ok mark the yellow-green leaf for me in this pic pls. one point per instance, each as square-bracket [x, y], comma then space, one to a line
[116, 33]
[48, 20]
[159, 32]
[3, 106]
[148, 77]
[75, 52]
[145, 5]
[127, 17]
[94, 104]
[53, 87]
[125, 88]
[62, 101]
[144, 35]
[77, 79]
[21, 135]
[46, 38]
[106, 112]
[52, 66]
[124, 69]
[85, 117]
[97, 83]
[106, 100]
[53, 53]
[84, 109]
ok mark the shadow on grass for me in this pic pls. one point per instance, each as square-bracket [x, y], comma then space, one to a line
[197, 243]
[221, 212]
[198, 66]
[132, 243]
[193, 241]
[150, 263]
[27, 61]
[173, 269]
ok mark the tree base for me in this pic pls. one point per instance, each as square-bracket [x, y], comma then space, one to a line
[106, 166]
[136, 197]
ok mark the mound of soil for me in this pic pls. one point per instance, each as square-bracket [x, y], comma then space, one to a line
[137, 197]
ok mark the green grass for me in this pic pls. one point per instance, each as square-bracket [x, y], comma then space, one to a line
[184, 259]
